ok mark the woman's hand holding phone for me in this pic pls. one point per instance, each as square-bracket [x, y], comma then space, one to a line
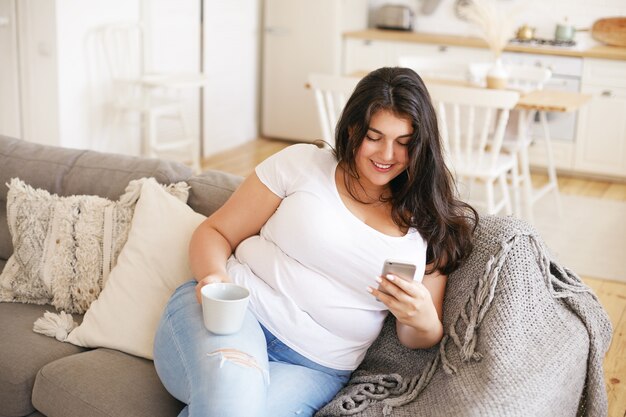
[406, 298]
[400, 269]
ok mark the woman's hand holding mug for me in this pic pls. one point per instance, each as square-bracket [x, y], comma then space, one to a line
[210, 279]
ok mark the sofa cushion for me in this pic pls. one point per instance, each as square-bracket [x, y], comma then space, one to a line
[210, 190]
[64, 247]
[102, 382]
[66, 172]
[24, 352]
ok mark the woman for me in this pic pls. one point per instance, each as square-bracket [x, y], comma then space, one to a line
[310, 230]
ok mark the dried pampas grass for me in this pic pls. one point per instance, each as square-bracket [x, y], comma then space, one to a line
[496, 25]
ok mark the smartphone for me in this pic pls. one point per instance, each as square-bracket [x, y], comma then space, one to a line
[402, 269]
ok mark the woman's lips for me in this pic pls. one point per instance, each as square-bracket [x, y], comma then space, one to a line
[382, 167]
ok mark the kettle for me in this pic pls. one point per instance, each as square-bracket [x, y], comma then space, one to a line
[525, 32]
[564, 32]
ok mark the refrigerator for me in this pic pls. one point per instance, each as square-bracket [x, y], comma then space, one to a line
[301, 37]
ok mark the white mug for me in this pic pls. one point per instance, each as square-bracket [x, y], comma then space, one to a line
[224, 307]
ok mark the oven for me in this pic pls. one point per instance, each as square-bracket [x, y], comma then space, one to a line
[566, 76]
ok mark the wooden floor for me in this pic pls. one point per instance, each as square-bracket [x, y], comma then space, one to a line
[612, 294]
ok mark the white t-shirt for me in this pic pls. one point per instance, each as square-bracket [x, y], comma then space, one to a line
[308, 269]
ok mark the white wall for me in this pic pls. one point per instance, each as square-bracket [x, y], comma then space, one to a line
[10, 123]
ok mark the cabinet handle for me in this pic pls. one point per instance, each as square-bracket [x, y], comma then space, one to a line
[443, 48]
[607, 93]
[367, 42]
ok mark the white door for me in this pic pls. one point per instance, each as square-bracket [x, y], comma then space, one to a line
[9, 80]
[301, 37]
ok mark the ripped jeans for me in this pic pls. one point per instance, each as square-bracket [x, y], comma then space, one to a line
[250, 373]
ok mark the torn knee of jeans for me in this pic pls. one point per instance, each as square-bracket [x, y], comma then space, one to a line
[240, 358]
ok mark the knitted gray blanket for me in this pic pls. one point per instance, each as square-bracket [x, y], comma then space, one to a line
[523, 336]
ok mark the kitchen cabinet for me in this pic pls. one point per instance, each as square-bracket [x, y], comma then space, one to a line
[601, 135]
[369, 54]
[562, 153]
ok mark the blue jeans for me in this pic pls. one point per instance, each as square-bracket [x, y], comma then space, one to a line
[250, 373]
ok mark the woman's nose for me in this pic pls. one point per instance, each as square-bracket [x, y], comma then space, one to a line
[387, 150]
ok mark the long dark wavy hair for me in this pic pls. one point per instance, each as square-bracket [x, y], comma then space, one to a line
[424, 196]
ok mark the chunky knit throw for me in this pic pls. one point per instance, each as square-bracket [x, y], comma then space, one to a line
[523, 336]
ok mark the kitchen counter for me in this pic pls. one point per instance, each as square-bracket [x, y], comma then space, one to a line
[595, 51]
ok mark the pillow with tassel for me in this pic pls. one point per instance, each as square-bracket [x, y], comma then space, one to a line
[152, 264]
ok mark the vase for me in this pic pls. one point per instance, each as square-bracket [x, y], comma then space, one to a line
[497, 76]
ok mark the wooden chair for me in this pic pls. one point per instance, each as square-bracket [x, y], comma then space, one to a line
[331, 94]
[135, 91]
[472, 124]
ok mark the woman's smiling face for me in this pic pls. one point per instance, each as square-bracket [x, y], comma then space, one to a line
[383, 154]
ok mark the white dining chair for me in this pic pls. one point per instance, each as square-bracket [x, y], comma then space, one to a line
[331, 94]
[520, 136]
[158, 105]
[472, 123]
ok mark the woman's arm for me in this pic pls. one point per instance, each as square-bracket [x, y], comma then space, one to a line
[215, 239]
[418, 308]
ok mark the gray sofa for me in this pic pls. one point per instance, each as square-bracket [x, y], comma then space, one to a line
[41, 376]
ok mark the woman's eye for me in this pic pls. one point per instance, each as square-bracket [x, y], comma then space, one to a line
[373, 139]
[404, 143]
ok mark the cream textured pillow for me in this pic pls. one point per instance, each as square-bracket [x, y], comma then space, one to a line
[152, 264]
[64, 247]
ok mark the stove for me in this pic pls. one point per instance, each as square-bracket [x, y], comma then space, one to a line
[543, 42]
